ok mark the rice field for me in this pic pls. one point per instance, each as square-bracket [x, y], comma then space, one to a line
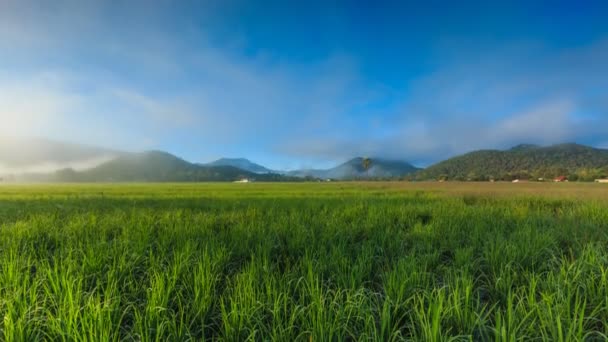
[304, 262]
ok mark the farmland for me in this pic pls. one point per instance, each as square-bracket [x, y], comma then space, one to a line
[309, 261]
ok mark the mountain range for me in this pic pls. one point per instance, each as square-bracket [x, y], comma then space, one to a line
[47, 161]
[150, 166]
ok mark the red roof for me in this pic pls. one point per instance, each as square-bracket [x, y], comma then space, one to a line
[561, 178]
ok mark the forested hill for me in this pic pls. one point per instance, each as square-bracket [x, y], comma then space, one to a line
[152, 166]
[576, 161]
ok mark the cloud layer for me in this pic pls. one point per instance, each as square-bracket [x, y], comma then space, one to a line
[519, 94]
[130, 77]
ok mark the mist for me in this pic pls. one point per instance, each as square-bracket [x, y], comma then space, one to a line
[37, 155]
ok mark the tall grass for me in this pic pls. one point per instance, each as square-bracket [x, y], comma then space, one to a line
[299, 263]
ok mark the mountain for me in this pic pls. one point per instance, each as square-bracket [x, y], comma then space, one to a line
[145, 166]
[578, 162]
[354, 169]
[151, 166]
[25, 155]
[241, 163]
[41, 160]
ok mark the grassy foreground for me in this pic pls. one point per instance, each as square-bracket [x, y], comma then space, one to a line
[320, 262]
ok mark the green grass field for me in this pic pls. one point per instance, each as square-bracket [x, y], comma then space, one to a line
[311, 261]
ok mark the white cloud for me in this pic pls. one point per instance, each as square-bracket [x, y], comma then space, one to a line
[84, 71]
[546, 124]
[136, 80]
[519, 94]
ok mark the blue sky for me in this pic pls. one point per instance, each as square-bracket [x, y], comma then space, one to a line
[305, 84]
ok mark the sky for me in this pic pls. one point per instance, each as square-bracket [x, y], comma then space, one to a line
[293, 84]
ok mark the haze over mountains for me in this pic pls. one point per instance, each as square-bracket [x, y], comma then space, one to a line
[20, 155]
[40, 160]
[158, 166]
[354, 169]
[57, 161]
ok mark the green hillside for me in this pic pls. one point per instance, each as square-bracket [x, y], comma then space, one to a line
[578, 162]
[157, 166]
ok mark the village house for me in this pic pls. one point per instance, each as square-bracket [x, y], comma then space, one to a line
[602, 180]
[561, 179]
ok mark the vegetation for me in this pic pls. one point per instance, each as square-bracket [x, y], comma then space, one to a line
[528, 162]
[320, 261]
[153, 166]
[159, 166]
[523, 162]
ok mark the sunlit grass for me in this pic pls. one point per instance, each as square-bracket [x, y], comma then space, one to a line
[288, 262]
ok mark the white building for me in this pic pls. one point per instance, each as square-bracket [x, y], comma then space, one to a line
[601, 180]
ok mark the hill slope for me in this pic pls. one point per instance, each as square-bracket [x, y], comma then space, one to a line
[152, 166]
[353, 169]
[241, 163]
[579, 162]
